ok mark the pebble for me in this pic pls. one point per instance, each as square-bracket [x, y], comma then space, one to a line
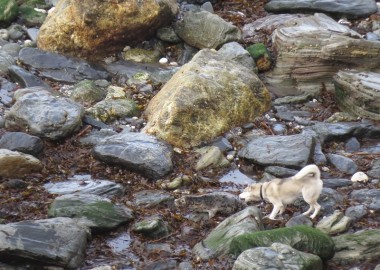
[163, 61]
[4, 34]
[359, 177]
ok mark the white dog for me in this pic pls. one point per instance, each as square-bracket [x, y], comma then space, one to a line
[281, 192]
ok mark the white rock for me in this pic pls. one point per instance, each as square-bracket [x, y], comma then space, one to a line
[359, 177]
[163, 61]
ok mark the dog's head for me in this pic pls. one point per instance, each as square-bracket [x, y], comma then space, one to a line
[251, 193]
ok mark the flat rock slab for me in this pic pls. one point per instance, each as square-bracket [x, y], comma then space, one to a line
[358, 93]
[60, 68]
[287, 151]
[22, 142]
[94, 211]
[350, 9]
[152, 198]
[43, 114]
[86, 185]
[370, 197]
[138, 152]
[57, 241]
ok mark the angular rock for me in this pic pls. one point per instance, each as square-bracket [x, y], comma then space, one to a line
[87, 93]
[287, 151]
[84, 184]
[111, 109]
[217, 243]
[370, 197]
[152, 198]
[342, 163]
[42, 114]
[96, 136]
[60, 68]
[94, 211]
[7, 89]
[351, 9]
[234, 51]
[25, 78]
[202, 29]
[358, 93]
[16, 164]
[336, 182]
[58, 241]
[211, 157]
[6, 60]
[356, 212]
[206, 97]
[334, 224]
[277, 256]
[212, 203]
[311, 50]
[302, 238]
[98, 28]
[154, 227]
[360, 246]
[125, 149]
[22, 142]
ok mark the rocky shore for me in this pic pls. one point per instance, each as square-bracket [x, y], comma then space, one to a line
[128, 129]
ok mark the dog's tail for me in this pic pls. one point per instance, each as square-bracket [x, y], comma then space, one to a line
[309, 170]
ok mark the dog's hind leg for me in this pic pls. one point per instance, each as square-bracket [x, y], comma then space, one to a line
[317, 207]
[311, 208]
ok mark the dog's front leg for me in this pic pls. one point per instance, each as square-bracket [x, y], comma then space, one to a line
[317, 207]
[276, 209]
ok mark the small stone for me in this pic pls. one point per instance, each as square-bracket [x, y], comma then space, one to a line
[359, 177]
[163, 61]
[4, 34]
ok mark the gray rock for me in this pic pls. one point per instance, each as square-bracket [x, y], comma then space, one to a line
[25, 79]
[22, 142]
[210, 157]
[275, 150]
[111, 109]
[222, 143]
[237, 177]
[356, 212]
[96, 136]
[303, 238]
[16, 164]
[342, 163]
[43, 114]
[299, 220]
[168, 34]
[7, 89]
[153, 227]
[352, 145]
[85, 184]
[161, 265]
[125, 150]
[351, 9]
[217, 243]
[59, 242]
[212, 203]
[280, 172]
[152, 198]
[186, 54]
[279, 129]
[202, 29]
[277, 256]
[331, 131]
[89, 120]
[375, 169]
[12, 48]
[6, 60]
[283, 113]
[4, 34]
[329, 200]
[319, 157]
[234, 51]
[336, 182]
[94, 211]
[16, 31]
[360, 246]
[369, 197]
[334, 224]
[60, 68]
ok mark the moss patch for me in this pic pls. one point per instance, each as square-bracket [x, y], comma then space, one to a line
[302, 238]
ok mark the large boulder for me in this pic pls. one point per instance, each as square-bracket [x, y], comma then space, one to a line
[205, 98]
[58, 242]
[43, 114]
[310, 50]
[16, 164]
[350, 9]
[95, 28]
[358, 93]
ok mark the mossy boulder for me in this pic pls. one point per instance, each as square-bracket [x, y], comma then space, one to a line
[153, 227]
[30, 15]
[8, 12]
[302, 238]
[141, 55]
[109, 110]
[205, 98]
[217, 243]
[87, 92]
[96, 212]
